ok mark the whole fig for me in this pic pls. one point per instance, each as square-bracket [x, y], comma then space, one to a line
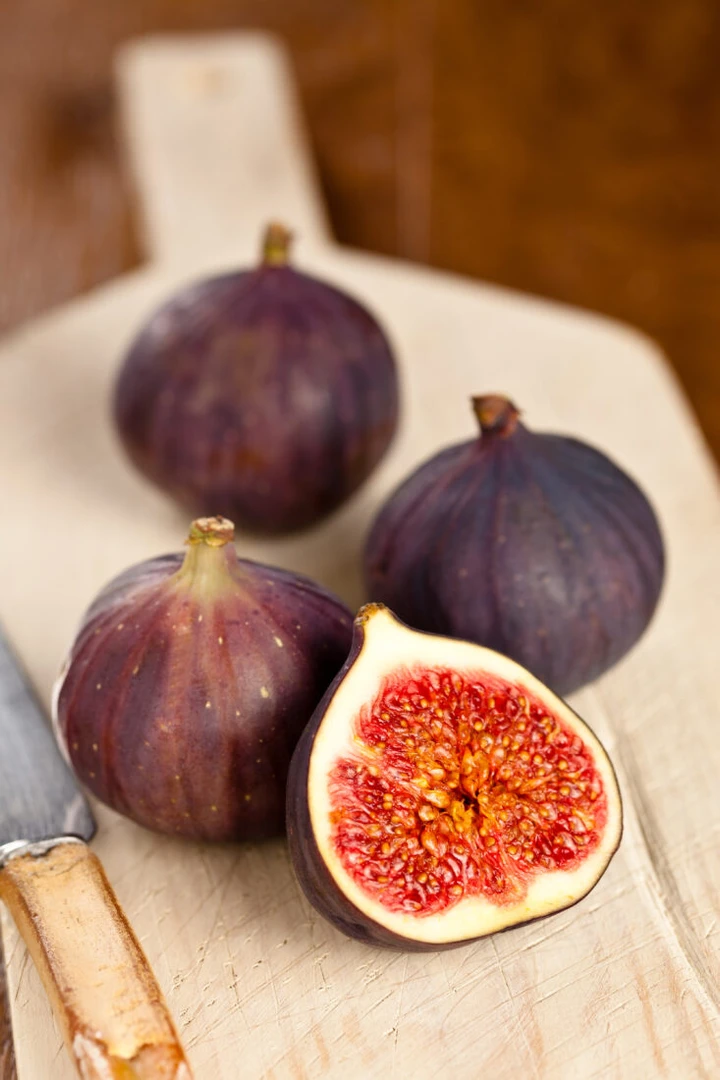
[189, 683]
[535, 545]
[265, 395]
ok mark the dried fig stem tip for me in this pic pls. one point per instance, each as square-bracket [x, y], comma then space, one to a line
[367, 611]
[212, 531]
[276, 244]
[496, 414]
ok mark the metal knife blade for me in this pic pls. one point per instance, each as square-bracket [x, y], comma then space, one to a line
[39, 798]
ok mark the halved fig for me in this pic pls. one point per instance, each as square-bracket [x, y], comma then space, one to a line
[441, 793]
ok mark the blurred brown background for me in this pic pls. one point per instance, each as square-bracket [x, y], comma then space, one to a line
[572, 150]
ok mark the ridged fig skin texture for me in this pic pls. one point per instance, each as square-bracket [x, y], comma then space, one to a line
[539, 795]
[264, 395]
[188, 686]
[535, 545]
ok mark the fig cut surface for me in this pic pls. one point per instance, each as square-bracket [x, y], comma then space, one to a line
[441, 793]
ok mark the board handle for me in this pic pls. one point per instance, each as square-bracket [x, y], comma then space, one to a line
[215, 143]
[112, 1012]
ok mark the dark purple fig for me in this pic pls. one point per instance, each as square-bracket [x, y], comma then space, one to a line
[441, 793]
[189, 683]
[535, 545]
[264, 395]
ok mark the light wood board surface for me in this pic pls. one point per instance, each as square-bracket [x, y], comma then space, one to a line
[626, 984]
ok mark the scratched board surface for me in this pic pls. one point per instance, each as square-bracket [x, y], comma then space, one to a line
[623, 985]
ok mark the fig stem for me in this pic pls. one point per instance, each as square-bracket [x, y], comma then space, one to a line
[367, 611]
[213, 531]
[276, 244]
[496, 414]
[211, 561]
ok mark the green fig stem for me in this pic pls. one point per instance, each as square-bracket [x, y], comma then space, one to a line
[276, 244]
[210, 558]
[496, 414]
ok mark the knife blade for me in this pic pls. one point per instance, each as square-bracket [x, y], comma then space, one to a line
[39, 799]
[112, 1012]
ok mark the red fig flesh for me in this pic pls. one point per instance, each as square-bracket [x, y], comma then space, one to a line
[265, 395]
[442, 793]
[190, 682]
[535, 545]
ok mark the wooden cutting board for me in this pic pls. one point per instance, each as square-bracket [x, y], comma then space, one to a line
[626, 984]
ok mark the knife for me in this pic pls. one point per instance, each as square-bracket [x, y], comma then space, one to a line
[112, 1013]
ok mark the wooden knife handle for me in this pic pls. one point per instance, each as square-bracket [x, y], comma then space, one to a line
[115, 1020]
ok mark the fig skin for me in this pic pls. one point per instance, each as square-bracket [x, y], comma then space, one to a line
[535, 545]
[311, 870]
[264, 395]
[189, 683]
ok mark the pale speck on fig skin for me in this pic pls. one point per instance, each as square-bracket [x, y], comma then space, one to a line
[220, 640]
[95, 747]
[120, 626]
[208, 705]
[98, 686]
[278, 642]
[264, 692]
[136, 669]
[200, 618]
